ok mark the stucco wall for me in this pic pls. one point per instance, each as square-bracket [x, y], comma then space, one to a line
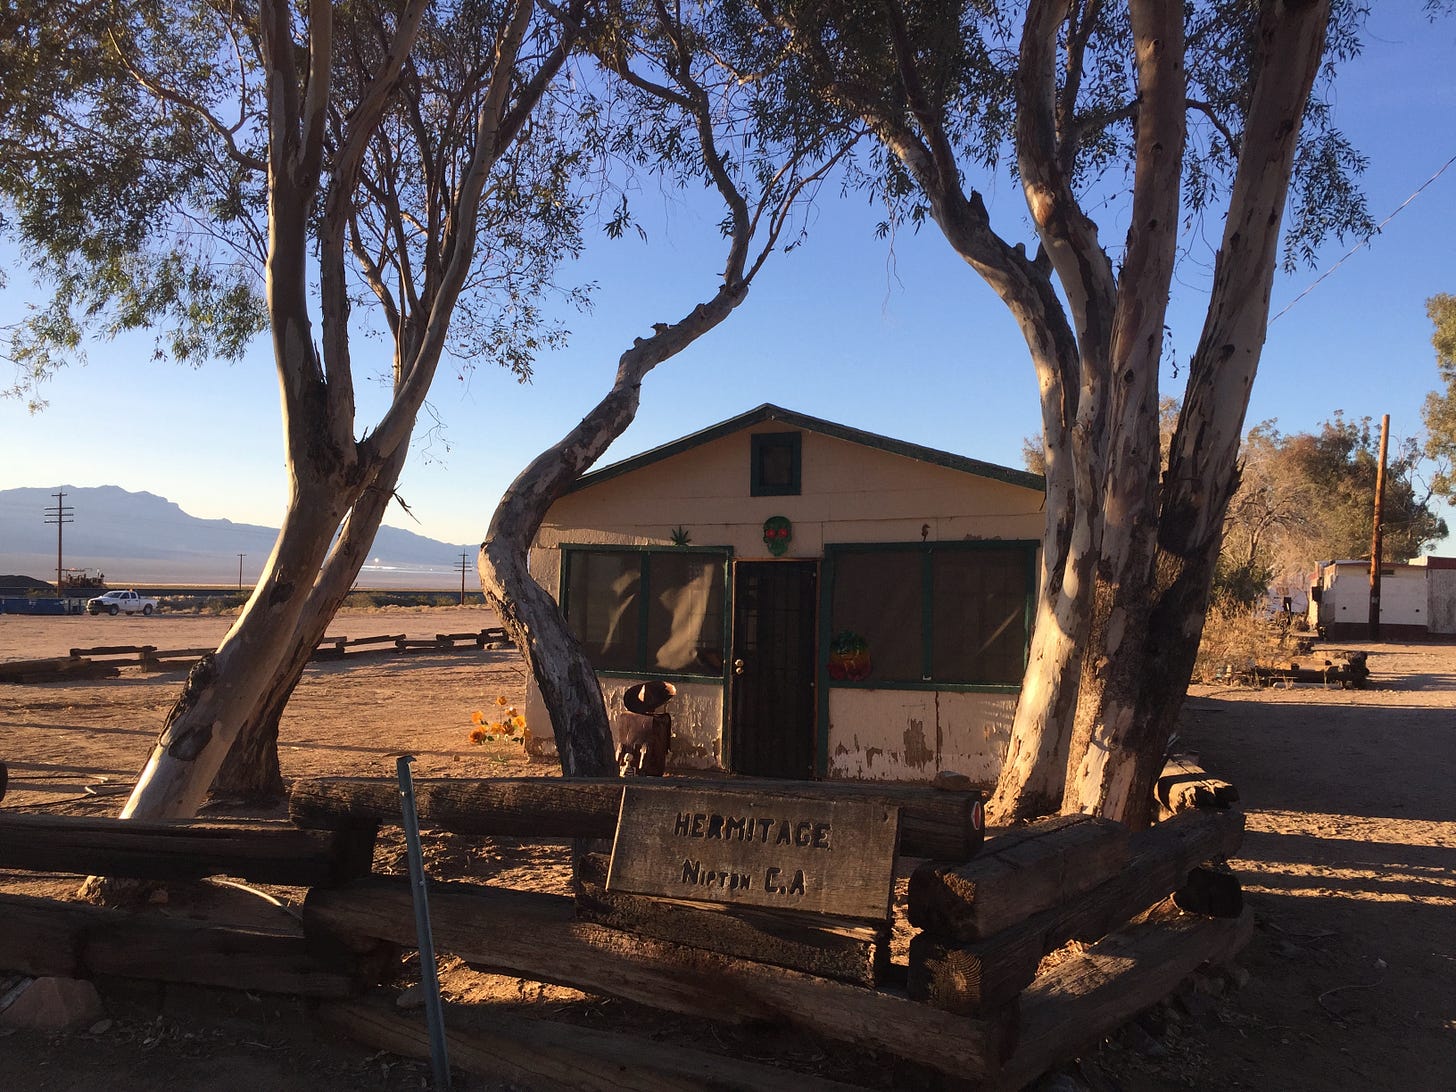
[697, 717]
[1345, 600]
[911, 735]
[850, 493]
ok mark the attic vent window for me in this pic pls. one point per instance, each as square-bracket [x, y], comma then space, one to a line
[776, 466]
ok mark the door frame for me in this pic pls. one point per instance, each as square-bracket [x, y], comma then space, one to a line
[817, 732]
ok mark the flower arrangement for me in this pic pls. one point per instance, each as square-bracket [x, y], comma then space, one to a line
[510, 725]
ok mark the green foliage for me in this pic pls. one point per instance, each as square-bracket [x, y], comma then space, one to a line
[1439, 412]
[133, 179]
[1245, 583]
[967, 57]
[1309, 497]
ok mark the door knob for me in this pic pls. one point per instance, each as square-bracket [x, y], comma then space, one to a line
[738, 667]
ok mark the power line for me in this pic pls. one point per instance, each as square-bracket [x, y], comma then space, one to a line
[1367, 240]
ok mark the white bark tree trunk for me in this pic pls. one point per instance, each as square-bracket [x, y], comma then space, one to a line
[251, 771]
[564, 675]
[1164, 596]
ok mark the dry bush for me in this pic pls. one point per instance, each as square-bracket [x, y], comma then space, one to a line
[1236, 639]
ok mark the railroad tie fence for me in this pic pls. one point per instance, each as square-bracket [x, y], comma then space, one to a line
[106, 661]
[969, 1004]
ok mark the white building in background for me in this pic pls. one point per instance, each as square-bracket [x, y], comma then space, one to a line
[1417, 598]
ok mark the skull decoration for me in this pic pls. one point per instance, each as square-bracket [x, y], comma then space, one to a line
[778, 532]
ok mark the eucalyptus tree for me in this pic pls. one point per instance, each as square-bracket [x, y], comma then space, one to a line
[1175, 115]
[218, 169]
[702, 111]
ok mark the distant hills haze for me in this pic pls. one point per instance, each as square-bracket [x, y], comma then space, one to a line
[141, 538]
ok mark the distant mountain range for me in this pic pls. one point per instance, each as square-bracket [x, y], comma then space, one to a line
[141, 538]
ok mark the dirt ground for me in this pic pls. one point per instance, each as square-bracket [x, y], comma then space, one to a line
[1349, 863]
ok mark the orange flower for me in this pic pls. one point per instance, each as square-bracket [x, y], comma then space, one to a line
[502, 700]
[477, 718]
[479, 735]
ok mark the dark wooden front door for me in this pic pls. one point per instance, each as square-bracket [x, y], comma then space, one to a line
[772, 730]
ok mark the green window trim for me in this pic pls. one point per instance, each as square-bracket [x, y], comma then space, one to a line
[776, 444]
[642, 669]
[834, 552]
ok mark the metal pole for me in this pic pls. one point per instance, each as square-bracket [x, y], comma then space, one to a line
[429, 979]
[60, 514]
[240, 571]
[1378, 529]
[464, 566]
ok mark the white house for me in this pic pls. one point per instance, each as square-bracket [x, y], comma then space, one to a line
[827, 602]
[1417, 598]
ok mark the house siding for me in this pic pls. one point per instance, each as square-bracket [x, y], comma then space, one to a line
[850, 493]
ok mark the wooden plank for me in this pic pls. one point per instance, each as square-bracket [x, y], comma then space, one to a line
[77, 940]
[51, 668]
[775, 851]
[1184, 784]
[1085, 997]
[969, 977]
[845, 951]
[543, 1054]
[1023, 871]
[388, 638]
[537, 936]
[182, 849]
[113, 650]
[944, 824]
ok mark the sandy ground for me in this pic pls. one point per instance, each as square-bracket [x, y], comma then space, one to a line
[1349, 862]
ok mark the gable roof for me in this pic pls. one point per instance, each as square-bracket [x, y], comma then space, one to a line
[770, 413]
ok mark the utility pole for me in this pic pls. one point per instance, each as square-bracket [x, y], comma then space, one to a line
[60, 514]
[240, 571]
[464, 566]
[1376, 532]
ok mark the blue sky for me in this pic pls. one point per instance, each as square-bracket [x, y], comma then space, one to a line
[903, 340]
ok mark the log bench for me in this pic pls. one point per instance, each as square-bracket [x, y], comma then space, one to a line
[969, 1005]
[44, 936]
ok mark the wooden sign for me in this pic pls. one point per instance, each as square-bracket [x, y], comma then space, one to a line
[796, 853]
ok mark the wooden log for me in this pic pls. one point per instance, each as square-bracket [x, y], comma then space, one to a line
[173, 659]
[1085, 997]
[183, 849]
[1023, 871]
[77, 940]
[1184, 784]
[970, 977]
[933, 822]
[537, 936]
[114, 650]
[388, 638]
[543, 1054]
[846, 951]
[52, 668]
[408, 644]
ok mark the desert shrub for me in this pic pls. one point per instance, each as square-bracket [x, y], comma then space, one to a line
[374, 600]
[1236, 639]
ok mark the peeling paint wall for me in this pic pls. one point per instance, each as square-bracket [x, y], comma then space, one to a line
[911, 735]
[1441, 600]
[697, 717]
[851, 493]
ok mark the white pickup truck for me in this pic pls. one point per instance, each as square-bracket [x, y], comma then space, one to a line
[114, 602]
